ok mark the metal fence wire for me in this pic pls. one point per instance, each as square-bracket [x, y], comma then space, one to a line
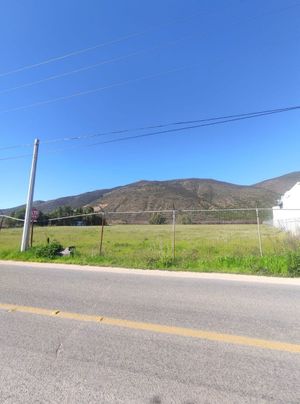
[171, 233]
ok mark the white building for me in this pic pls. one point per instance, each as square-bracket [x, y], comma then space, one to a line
[286, 215]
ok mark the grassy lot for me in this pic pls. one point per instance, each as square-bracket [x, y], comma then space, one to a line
[222, 248]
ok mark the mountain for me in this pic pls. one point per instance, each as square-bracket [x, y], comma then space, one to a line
[280, 184]
[75, 201]
[190, 193]
[184, 194]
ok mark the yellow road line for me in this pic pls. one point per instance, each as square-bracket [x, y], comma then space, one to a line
[157, 328]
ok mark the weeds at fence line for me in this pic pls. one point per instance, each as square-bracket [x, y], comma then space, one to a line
[224, 241]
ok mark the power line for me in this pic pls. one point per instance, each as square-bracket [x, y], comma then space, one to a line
[68, 73]
[84, 50]
[15, 157]
[96, 65]
[256, 113]
[17, 146]
[119, 39]
[67, 55]
[179, 129]
[97, 46]
[92, 66]
[95, 90]
[224, 118]
[119, 131]
[154, 133]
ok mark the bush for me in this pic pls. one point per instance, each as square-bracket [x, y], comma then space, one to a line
[157, 218]
[294, 264]
[50, 250]
[186, 219]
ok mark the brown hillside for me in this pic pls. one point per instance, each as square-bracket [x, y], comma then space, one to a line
[280, 184]
[185, 194]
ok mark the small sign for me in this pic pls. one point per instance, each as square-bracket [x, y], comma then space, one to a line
[34, 215]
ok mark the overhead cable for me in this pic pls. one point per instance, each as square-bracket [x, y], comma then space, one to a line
[97, 46]
[174, 130]
[226, 118]
[180, 129]
[95, 90]
[15, 157]
[252, 114]
[120, 39]
[92, 66]
[95, 65]
[17, 146]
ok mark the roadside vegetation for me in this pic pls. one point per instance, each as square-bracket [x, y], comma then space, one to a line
[227, 248]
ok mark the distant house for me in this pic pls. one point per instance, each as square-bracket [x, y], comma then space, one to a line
[286, 215]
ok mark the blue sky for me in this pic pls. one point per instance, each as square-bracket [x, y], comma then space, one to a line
[193, 59]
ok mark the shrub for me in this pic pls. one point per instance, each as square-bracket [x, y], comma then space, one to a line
[294, 264]
[157, 218]
[186, 219]
[50, 250]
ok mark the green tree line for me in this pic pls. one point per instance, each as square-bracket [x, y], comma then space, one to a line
[62, 211]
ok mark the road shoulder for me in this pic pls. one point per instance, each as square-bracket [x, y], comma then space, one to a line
[157, 272]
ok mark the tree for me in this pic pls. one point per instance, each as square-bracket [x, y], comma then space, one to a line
[43, 219]
[63, 211]
[186, 219]
[20, 213]
[157, 218]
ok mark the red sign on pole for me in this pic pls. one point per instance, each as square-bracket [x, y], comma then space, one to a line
[34, 215]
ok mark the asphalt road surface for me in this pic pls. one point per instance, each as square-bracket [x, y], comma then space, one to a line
[134, 337]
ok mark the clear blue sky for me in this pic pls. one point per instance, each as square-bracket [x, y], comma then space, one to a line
[234, 56]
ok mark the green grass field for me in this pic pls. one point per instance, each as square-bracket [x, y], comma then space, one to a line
[221, 248]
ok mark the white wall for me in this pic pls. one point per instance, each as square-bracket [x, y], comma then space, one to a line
[286, 216]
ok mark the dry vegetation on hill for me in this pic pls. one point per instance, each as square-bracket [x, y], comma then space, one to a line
[182, 193]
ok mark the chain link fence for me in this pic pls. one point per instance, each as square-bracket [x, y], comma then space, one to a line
[221, 231]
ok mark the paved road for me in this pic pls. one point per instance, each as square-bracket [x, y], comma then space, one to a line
[47, 359]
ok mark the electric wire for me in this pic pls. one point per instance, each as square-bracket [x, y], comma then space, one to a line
[121, 39]
[173, 130]
[84, 50]
[175, 123]
[95, 90]
[93, 66]
[100, 45]
[17, 146]
[120, 139]
[15, 157]
[85, 68]
[67, 55]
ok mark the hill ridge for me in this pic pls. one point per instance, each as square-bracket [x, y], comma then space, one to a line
[185, 193]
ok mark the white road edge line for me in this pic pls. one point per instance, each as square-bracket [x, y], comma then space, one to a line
[157, 272]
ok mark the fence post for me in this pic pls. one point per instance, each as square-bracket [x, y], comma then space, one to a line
[174, 233]
[258, 232]
[31, 233]
[102, 230]
[1, 223]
